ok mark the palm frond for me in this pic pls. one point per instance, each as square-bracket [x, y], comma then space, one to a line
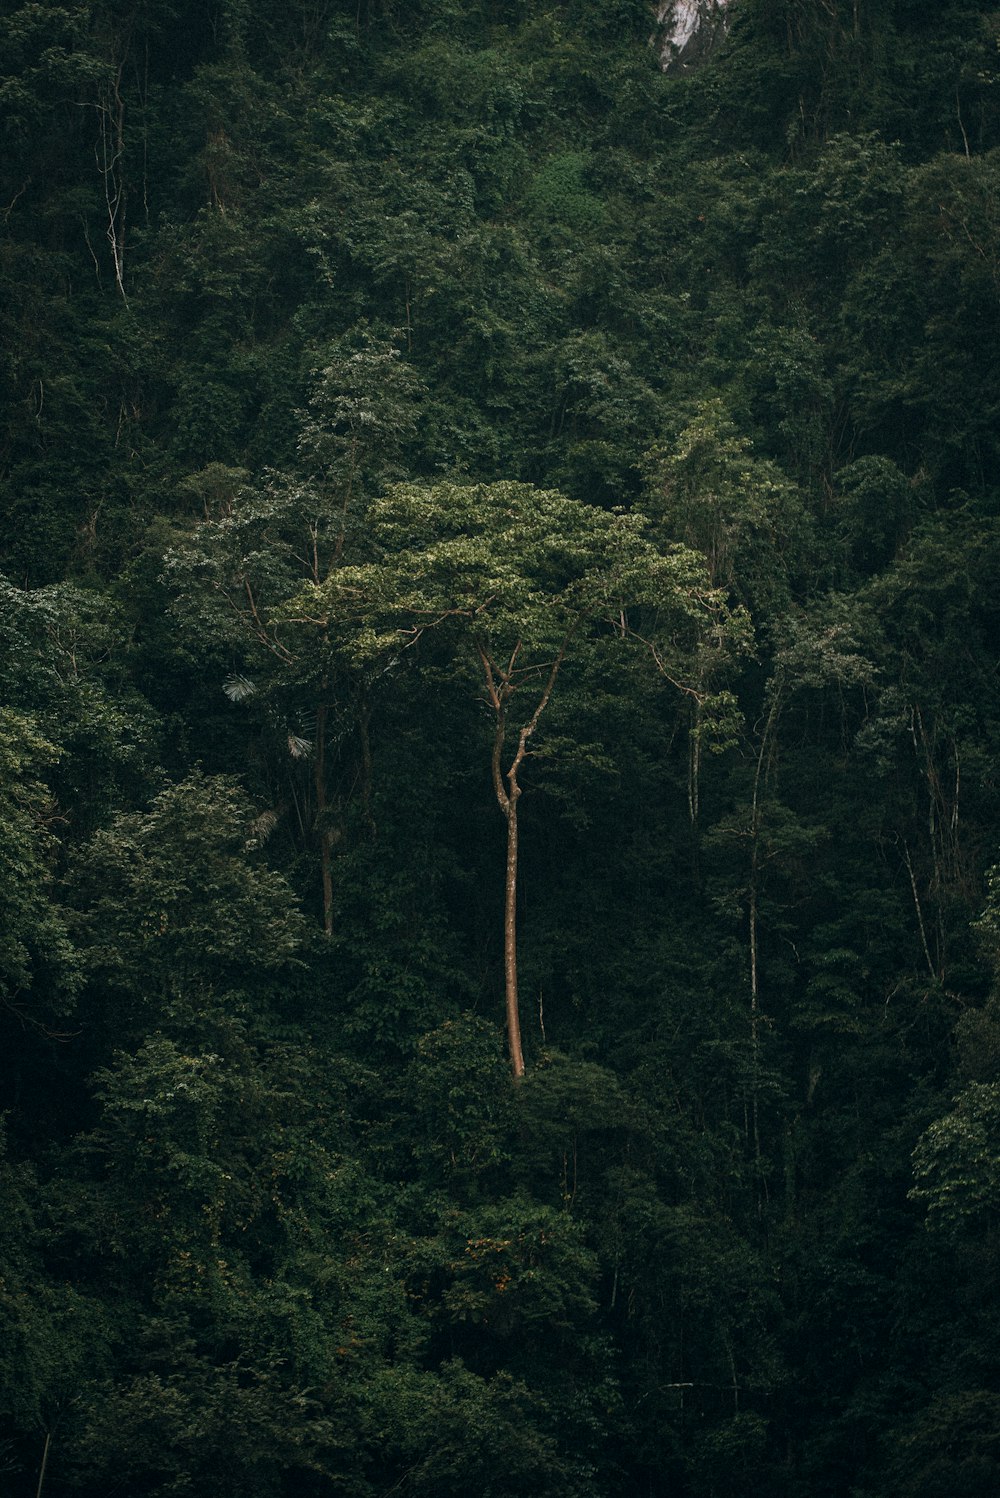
[299, 748]
[239, 688]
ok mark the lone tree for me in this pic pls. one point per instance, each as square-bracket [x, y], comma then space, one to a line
[519, 581]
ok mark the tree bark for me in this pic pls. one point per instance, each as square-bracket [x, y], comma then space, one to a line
[760, 776]
[45, 1463]
[510, 940]
[500, 686]
[325, 840]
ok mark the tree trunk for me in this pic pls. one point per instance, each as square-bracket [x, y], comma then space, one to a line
[45, 1463]
[764, 759]
[500, 685]
[510, 939]
[754, 1012]
[325, 840]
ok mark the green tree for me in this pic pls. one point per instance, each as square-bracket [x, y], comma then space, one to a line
[232, 577]
[177, 897]
[516, 581]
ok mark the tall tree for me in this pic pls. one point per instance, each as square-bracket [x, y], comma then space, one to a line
[518, 582]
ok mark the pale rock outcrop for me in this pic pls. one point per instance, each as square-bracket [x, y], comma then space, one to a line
[687, 30]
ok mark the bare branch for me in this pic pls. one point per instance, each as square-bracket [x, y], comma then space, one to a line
[542, 704]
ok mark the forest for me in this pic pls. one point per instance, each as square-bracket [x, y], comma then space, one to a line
[499, 750]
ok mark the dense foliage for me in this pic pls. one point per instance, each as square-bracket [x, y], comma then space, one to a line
[410, 408]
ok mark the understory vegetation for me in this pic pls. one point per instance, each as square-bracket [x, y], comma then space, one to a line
[499, 742]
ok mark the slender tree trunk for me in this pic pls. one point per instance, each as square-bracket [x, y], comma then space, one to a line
[500, 685]
[110, 158]
[760, 776]
[364, 721]
[694, 764]
[754, 1012]
[325, 840]
[920, 914]
[45, 1463]
[510, 939]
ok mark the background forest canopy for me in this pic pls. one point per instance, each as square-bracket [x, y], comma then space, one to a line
[501, 519]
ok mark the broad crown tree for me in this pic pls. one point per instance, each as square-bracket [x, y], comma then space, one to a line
[512, 584]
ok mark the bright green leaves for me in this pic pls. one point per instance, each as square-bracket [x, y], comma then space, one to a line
[988, 925]
[45, 50]
[360, 250]
[39, 965]
[362, 414]
[33, 938]
[957, 1163]
[66, 657]
[506, 566]
[508, 585]
[174, 1129]
[711, 492]
[173, 896]
[604, 409]
[257, 544]
[560, 197]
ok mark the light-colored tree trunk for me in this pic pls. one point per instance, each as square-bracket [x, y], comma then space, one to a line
[45, 1463]
[500, 686]
[764, 756]
[510, 940]
[325, 838]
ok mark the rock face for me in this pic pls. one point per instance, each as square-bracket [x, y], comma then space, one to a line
[687, 30]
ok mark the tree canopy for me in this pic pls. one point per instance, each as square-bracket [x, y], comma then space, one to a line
[499, 922]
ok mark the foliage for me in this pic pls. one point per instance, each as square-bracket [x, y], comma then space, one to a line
[410, 406]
